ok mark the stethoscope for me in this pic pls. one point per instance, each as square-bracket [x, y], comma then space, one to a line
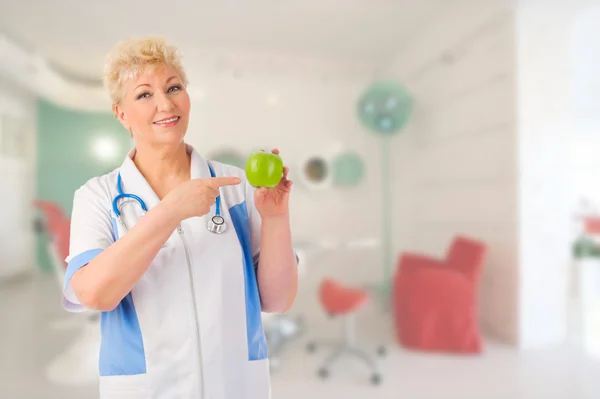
[215, 224]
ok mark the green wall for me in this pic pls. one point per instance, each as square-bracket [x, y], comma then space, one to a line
[65, 156]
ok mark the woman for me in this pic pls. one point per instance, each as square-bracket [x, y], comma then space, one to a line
[181, 303]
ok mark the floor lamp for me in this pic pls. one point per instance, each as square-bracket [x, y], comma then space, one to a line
[384, 109]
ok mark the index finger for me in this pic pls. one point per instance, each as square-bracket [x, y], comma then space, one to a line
[216, 182]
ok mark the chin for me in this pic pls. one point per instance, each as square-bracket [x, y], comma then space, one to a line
[170, 136]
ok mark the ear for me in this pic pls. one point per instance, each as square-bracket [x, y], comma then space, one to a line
[121, 116]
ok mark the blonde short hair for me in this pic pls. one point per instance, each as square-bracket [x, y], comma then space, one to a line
[133, 55]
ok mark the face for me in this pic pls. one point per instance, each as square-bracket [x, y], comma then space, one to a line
[155, 108]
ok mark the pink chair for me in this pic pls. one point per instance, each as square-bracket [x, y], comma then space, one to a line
[435, 300]
[52, 211]
[592, 225]
[58, 226]
[339, 300]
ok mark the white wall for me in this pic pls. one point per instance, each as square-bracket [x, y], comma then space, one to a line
[544, 132]
[558, 147]
[585, 96]
[17, 179]
[457, 164]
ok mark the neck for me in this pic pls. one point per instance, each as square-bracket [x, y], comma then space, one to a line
[163, 165]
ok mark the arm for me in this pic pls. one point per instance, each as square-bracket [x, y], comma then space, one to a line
[111, 275]
[112, 267]
[277, 267]
[410, 261]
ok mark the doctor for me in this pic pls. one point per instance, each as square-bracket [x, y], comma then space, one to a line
[179, 254]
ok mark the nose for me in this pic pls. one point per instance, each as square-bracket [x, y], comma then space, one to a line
[164, 103]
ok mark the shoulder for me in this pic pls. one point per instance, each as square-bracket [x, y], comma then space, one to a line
[98, 190]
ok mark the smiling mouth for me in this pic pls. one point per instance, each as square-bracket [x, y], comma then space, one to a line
[167, 121]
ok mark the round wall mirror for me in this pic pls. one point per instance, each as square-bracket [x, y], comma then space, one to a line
[316, 169]
[316, 172]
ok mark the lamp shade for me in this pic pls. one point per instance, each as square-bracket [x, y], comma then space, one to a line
[384, 107]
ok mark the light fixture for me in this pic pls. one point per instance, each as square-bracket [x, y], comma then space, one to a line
[105, 148]
[273, 99]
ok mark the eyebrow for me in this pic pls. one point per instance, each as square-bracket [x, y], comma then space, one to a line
[146, 84]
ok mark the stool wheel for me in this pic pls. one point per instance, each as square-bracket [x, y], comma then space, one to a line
[311, 347]
[382, 350]
[323, 373]
[376, 379]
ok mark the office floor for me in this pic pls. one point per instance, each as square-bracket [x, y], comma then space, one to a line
[34, 331]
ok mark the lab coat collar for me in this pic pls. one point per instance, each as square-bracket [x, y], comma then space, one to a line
[133, 182]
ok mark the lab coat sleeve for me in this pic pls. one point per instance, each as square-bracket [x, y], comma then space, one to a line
[91, 233]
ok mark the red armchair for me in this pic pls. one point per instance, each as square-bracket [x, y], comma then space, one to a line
[435, 300]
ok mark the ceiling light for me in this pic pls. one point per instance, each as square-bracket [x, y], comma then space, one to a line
[105, 148]
[273, 99]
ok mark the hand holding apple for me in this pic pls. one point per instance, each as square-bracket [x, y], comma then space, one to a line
[266, 172]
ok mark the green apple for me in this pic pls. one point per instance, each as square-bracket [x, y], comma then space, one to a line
[264, 169]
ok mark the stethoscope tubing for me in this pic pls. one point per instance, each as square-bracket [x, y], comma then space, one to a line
[121, 195]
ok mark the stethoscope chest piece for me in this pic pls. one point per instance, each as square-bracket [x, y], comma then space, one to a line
[216, 224]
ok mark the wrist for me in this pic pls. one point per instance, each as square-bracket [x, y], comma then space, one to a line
[276, 221]
[169, 212]
[278, 218]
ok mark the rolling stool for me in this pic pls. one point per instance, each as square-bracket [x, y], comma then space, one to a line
[338, 300]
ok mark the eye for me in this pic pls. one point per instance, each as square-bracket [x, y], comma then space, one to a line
[143, 95]
[174, 89]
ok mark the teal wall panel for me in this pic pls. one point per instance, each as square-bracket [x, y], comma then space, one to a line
[66, 158]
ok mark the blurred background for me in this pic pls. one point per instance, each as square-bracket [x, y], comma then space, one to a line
[447, 192]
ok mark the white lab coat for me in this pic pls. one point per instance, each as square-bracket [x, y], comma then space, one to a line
[191, 327]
